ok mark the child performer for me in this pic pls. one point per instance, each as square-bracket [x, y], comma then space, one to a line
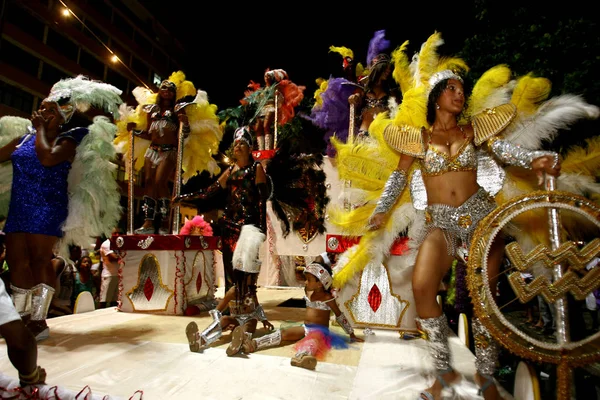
[315, 338]
[245, 310]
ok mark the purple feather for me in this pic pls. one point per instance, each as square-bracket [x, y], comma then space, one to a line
[378, 44]
[334, 113]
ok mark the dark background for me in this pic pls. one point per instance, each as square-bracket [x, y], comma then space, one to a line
[226, 49]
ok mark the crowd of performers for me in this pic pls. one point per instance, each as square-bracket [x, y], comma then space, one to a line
[416, 127]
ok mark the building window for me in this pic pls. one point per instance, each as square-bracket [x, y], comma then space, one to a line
[140, 68]
[123, 25]
[91, 64]
[156, 79]
[141, 41]
[62, 45]
[103, 8]
[19, 58]
[116, 79]
[24, 20]
[93, 30]
[16, 98]
[51, 75]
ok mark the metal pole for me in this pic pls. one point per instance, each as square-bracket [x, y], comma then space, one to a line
[276, 129]
[564, 374]
[130, 185]
[351, 124]
[177, 183]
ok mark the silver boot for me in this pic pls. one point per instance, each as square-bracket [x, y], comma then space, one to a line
[21, 299]
[40, 304]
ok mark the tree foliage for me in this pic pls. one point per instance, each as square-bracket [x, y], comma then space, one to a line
[560, 44]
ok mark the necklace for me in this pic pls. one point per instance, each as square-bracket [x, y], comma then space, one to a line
[448, 138]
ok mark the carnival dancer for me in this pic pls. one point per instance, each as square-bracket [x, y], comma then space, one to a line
[156, 124]
[244, 185]
[63, 187]
[244, 308]
[279, 95]
[314, 337]
[439, 153]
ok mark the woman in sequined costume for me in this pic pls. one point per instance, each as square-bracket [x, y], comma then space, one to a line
[161, 157]
[313, 336]
[374, 97]
[39, 205]
[246, 194]
[242, 225]
[456, 203]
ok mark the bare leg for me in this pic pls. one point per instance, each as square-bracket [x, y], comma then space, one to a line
[431, 265]
[487, 350]
[164, 173]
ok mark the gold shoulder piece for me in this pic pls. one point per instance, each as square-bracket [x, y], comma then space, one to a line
[405, 139]
[492, 121]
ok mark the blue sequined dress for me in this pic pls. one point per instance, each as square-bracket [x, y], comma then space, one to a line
[39, 195]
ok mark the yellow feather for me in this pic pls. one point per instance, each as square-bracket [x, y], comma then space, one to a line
[490, 81]
[530, 92]
[413, 109]
[584, 160]
[343, 51]
[402, 73]
[428, 57]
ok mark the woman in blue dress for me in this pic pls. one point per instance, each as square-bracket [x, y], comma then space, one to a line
[42, 160]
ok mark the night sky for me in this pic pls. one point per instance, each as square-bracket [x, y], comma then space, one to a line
[227, 50]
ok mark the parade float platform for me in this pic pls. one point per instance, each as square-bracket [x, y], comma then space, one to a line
[137, 355]
[163, 274]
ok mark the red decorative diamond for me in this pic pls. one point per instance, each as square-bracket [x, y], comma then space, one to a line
[374, 298]
[148, 289]
[198, 283]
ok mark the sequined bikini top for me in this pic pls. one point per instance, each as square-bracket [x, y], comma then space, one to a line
[319, 305]
[437, 162]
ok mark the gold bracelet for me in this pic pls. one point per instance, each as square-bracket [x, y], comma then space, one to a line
[31, 378]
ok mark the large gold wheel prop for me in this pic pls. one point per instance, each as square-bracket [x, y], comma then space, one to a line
[564, 261]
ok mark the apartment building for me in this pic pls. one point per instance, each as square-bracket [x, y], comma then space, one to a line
[116, 41]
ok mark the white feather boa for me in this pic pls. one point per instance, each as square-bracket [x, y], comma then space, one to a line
[245, 255]
[94, 194]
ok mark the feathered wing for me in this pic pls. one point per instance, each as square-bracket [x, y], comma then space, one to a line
[492, 89]
[122, 138]
[367, 167]
[538, 122]
[299, 196]
[94, 194]
[402, 73]
[204, 139]
[10, 128]
[333, 113]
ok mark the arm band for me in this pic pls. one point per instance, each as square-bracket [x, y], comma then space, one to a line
[344, 323]
[512, 154]
[260, 313]
[393, 187]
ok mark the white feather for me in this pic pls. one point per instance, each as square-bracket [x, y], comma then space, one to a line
[245, 256]
[557, 113]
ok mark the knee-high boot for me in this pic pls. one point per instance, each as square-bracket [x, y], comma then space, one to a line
[486, 352]
[437, 330]
[260, 140]
[40, 303]
[149, 210]
[269, 141]
[209, 335]
[22, 300]
[251, 345]
[164, 207]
